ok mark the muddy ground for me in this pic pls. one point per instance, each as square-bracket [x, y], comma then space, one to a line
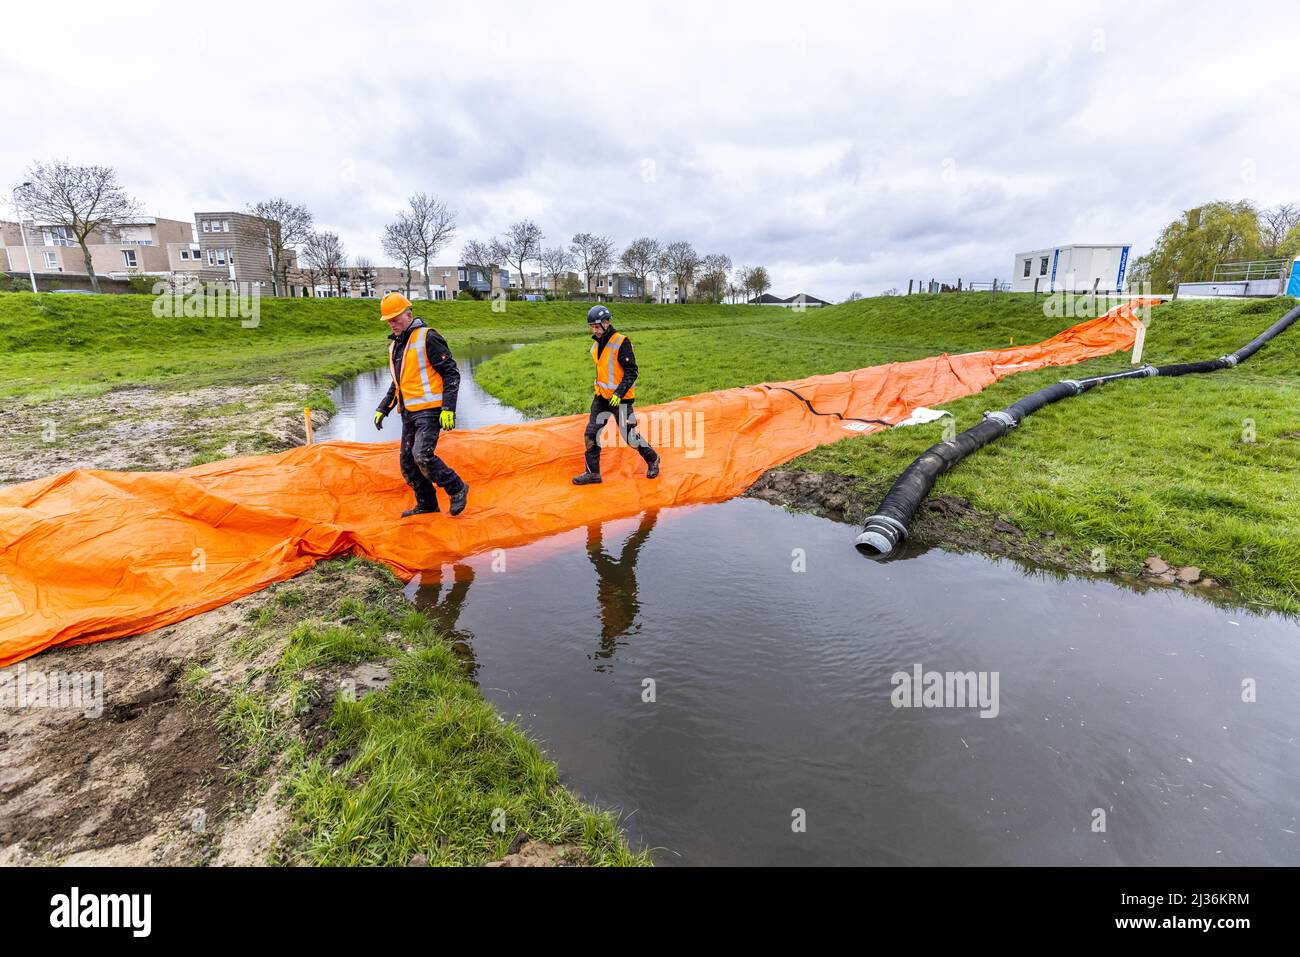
[143, 429]
[160, 776]
[953, 523]
[151, 781]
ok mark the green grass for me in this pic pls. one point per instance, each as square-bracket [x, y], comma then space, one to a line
[423, 766]
[554, 378]
[1135, 468]
[60, 345]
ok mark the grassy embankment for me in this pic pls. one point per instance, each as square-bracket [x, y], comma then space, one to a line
[422, 765]
[56, 351]
[60, 345]
[1163, 466]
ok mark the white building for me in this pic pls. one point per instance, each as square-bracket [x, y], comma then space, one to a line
[1072, 268]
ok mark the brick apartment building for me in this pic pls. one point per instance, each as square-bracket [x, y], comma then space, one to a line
[237, 247]
[146, 245]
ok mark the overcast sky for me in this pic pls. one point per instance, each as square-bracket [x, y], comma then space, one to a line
[844, 146]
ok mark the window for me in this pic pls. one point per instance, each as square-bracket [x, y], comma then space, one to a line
[1029, 264]
[221, 257]
[129, 256]
[212, 257]
[460, 275]
[51, 260]
[230, 256]
[185, 254]
[225, 225]
[1042, 266]
[58, 236]
[205, 225]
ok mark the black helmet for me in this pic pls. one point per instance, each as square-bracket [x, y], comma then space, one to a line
[598, 314]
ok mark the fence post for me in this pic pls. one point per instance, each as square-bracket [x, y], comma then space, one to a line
[1036, 281]
[909, 287]
[959, 283]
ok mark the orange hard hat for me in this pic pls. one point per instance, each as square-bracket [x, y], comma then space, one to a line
[393, 305]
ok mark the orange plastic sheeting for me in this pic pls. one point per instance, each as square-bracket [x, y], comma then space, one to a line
[90, 555]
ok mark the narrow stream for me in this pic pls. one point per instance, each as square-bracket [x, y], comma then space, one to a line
[358, 398]
[1132, 726]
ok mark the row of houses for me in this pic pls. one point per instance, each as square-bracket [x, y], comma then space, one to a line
[231, 246]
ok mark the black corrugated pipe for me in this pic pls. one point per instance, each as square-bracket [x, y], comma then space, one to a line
[887, 528]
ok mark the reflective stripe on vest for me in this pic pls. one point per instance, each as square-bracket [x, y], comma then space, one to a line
[609, 371]
[421, 386]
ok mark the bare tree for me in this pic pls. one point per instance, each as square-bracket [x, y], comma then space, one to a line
[639, 259]
[682, 262]
[81, 199]
[294, 221]
[757, 281]
[485, 257]
[522, 244]
[594, 254]
[433, 225]
[556, 262]
[324, 253]
[713, 271]
[365, 273]
[310, 274]
[1275, 223]
[402, 243]
[659, 269]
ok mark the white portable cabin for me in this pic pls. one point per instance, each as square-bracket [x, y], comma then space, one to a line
[1072, 268]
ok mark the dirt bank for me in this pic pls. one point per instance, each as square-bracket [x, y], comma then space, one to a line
[152, 780]
[137, 428]
[951, 522]
[207, 730]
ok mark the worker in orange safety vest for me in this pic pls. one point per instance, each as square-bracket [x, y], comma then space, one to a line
[423, 388]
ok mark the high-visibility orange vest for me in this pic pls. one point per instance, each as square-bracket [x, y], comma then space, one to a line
[609, 371]
[420, 386]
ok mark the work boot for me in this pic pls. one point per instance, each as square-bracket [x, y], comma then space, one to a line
[420, 509]
[587, 478]
[652, 470]
[458, 500]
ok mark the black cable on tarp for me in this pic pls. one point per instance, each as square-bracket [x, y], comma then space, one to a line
[884, 531]
[845, 418]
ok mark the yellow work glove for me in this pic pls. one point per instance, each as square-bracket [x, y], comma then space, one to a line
[447, 419]
[379, 419]
[614, 399]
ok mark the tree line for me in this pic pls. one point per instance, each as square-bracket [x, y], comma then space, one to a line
[86, 199]
[427, 225]
[1205, 236]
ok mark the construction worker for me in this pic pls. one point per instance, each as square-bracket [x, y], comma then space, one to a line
[425, 380]
[615, 389]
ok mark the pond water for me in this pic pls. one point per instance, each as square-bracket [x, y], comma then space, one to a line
[357, 399]
[728, 678]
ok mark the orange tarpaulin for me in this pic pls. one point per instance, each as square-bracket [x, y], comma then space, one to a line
[90, 555]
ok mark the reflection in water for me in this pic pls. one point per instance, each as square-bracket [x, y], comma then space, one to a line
[616, 583]
[445, 611]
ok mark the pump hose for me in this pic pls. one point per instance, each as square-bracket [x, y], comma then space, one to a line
[884, 531]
